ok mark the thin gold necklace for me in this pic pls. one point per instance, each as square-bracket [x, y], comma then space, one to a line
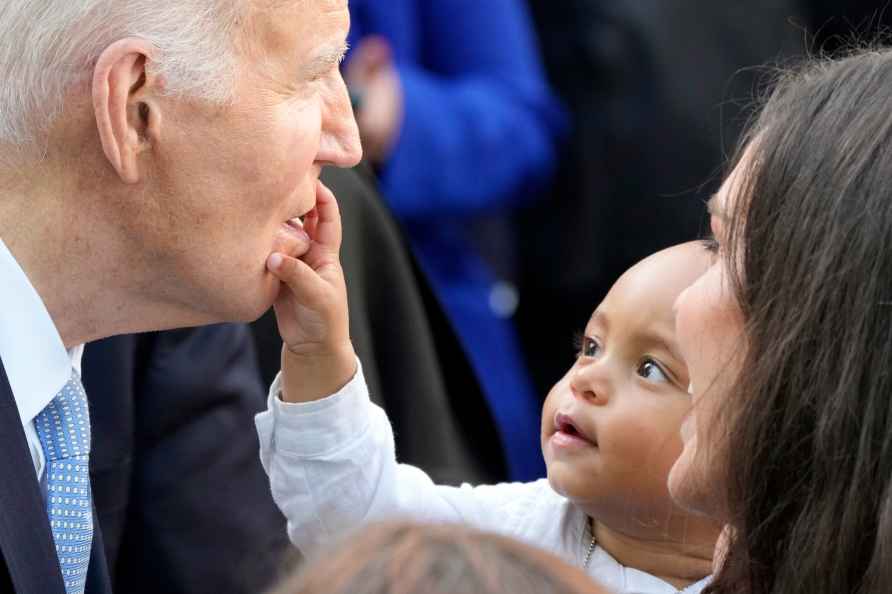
[591, 545]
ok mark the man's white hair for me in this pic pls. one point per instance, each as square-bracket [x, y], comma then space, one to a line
[47, 45]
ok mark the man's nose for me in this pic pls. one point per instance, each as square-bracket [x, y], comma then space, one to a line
[340, 144]
[348, 149]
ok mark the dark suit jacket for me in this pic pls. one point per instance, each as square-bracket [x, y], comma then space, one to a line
[182, 504]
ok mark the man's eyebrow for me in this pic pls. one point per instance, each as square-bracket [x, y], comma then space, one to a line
[325, 60]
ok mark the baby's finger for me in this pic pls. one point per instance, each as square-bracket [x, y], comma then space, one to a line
[306, 285]
[311, 221]
[328, 223]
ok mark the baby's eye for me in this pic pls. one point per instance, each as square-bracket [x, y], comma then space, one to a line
[711, 244]
[650, 370]
[587, 346]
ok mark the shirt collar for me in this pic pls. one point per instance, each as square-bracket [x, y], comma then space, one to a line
[34, 357]
[629, 580]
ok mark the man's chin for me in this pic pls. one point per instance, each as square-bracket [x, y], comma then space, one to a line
[251, 306]
[266, 298]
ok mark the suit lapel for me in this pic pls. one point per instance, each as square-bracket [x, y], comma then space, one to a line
[25, 537]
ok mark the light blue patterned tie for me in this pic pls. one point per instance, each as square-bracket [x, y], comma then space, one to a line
[63, 429]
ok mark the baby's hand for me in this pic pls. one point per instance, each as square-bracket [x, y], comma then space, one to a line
[311, 310]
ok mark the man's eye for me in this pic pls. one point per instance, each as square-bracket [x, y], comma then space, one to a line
[324, 73]
[649, 370]
[587, 346]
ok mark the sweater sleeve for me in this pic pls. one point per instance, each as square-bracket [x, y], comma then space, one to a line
[332, 467]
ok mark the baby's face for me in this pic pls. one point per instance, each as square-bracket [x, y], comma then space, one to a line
[610, 426]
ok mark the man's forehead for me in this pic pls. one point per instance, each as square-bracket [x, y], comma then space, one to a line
[297, 5]
[308, 30]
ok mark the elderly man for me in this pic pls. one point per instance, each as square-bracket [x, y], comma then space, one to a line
[153, 155]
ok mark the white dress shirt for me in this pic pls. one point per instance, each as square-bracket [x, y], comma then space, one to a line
[332, 467]
[36, 362]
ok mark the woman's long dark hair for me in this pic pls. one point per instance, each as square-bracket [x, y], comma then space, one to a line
[809, 444]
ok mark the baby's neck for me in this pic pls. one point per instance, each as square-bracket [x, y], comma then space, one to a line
[676, 563]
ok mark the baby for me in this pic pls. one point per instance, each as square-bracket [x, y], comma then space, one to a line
[610, 432]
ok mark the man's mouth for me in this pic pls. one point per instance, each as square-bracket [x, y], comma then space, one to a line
[291, 239]
[296, 223]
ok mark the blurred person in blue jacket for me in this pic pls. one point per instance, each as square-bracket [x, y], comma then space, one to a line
[458, 119]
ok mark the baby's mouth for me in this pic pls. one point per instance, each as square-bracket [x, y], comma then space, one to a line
[567, 427]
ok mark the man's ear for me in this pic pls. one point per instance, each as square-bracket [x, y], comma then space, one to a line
[125, 105]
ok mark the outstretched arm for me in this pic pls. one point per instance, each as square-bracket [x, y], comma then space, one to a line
[328, 450]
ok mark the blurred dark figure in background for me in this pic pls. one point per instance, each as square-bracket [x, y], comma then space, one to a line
[180, 495]
[457, 117]
[837, 24]
[653, 88]
[409, 558]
